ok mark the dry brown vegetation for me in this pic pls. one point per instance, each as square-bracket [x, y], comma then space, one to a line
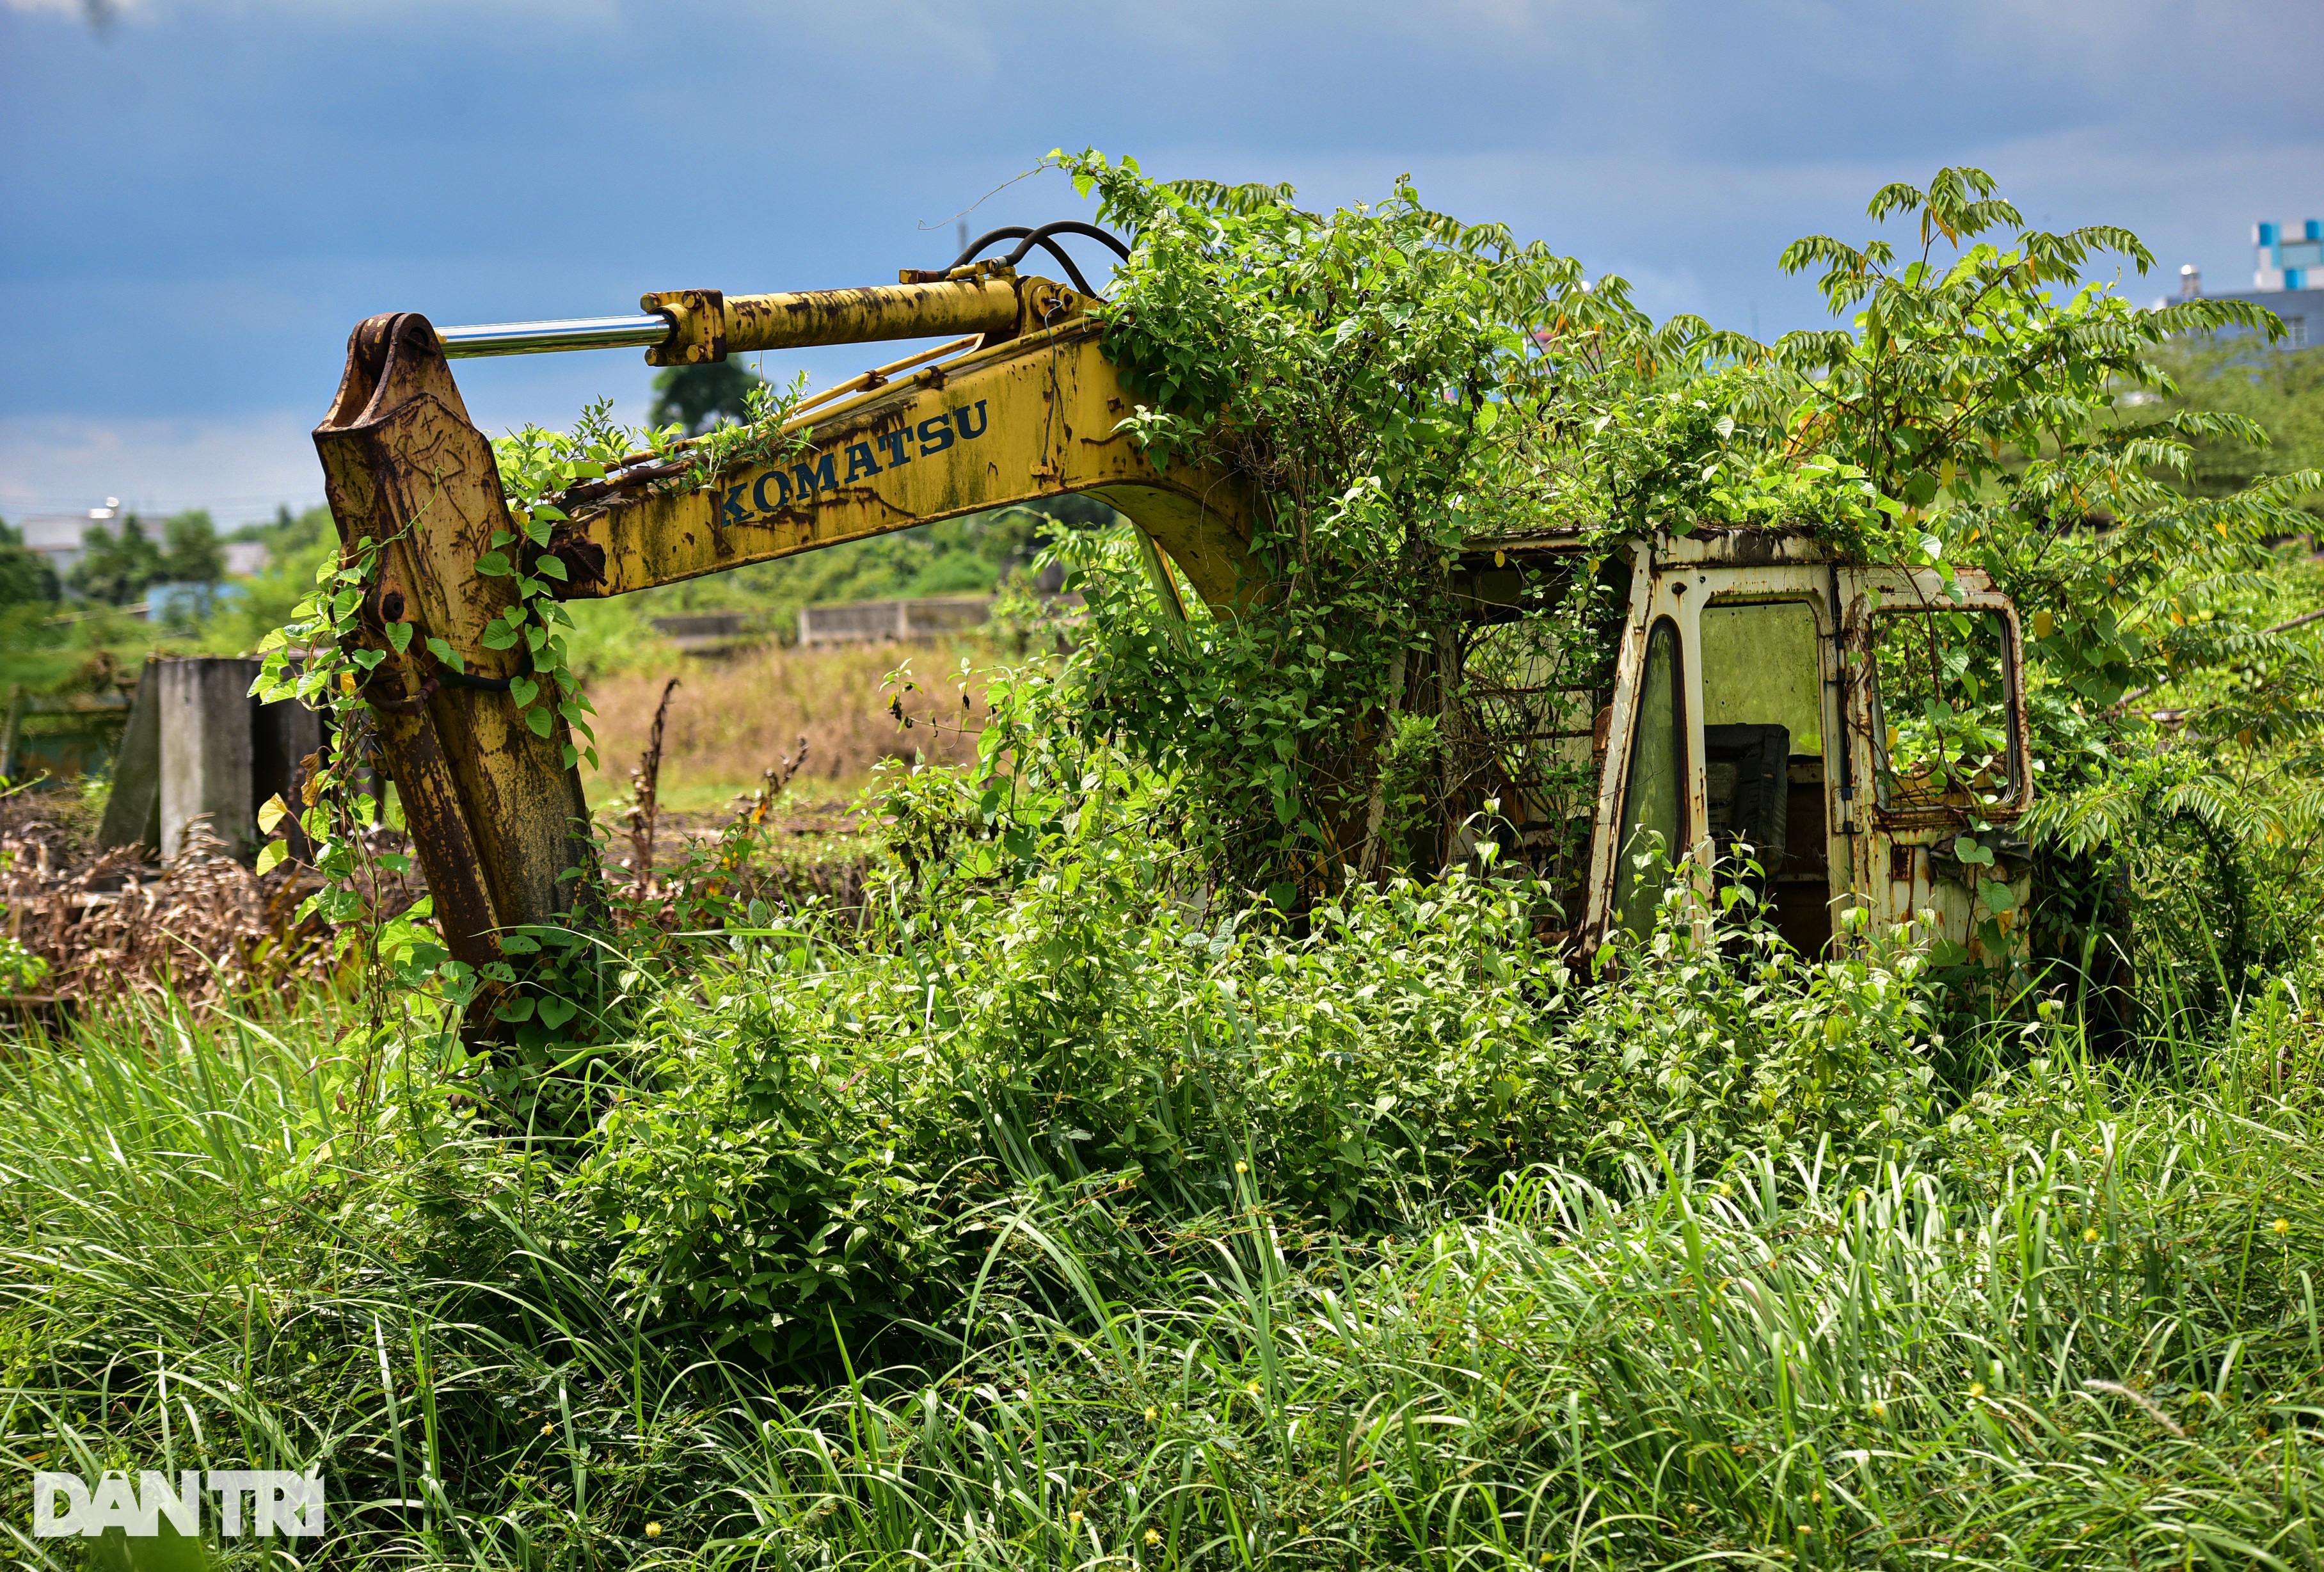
[734, 717]
[107, 923]
[111, 923]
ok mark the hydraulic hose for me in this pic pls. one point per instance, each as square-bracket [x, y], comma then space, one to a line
[1029, 238]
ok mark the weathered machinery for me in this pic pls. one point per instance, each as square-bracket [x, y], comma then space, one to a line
[1860, 727]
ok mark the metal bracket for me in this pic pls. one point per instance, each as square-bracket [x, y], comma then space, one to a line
[697, 325]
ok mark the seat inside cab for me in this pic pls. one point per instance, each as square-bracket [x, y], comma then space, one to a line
[1763, 764]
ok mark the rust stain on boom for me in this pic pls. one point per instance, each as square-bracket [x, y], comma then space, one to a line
[1037, 422]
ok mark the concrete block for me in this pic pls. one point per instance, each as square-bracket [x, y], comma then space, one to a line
[204, 713]
[133, 812]
[283, 737]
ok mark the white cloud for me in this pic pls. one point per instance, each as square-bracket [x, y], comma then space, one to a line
[240, 469]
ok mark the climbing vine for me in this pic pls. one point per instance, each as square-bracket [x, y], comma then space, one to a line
[546, 994]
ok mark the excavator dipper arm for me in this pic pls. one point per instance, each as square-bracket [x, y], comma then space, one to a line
[1030, 418]
[1031, 409]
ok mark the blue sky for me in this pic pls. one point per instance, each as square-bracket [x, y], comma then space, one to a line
[197, 201]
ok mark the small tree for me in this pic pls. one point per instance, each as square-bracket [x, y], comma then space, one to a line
[699, 397]
[116, 567]
[24, 575]
[190, 552]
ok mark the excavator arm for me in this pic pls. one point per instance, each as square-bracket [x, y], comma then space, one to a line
[1026, 406]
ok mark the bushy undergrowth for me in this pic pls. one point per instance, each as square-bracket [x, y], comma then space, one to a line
[1088, 1226]
[815, 1122]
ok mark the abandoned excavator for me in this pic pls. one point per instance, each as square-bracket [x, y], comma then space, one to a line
[1755, 687]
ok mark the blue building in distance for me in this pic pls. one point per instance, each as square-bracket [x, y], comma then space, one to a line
[2289, 280]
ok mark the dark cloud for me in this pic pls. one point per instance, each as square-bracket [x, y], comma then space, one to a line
[202, 200]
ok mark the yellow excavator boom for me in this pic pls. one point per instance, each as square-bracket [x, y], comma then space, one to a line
[1027, 407]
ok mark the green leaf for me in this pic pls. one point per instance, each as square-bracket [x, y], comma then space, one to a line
[399, 635]
[555, 1012]
[524, 691]
[271, 856]
[494, 565]
[552, 568]
[538, 719]
[445, 653]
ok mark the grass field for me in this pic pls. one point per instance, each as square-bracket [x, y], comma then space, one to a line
[1066, 1230]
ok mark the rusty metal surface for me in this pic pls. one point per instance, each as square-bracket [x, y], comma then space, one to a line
[1037, 422]
[495, 816]
[697, 325]
[872, 314]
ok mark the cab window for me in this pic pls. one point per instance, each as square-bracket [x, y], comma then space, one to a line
[1652, 797]
[1944, 737]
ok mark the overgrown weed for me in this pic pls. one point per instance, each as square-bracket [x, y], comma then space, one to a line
[1083, 1215]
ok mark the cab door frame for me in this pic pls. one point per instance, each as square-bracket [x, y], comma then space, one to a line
[1898, 850]
[1678, 588]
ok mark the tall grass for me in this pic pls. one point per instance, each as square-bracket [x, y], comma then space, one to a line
[734, 717]
[2065, 1319]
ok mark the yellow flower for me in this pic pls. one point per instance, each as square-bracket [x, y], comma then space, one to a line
[1154, 1536]
[1153, 1413]
[1242, 1168]
[653, 1530]
[1879, 1410]
[548, 1429]
[1074, 1518]
[1977, 1389]
[2281, 1225]
[2090, 1236]
[1251, 1387]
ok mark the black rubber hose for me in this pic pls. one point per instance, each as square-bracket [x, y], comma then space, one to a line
[1074, 226]
[1029, 238]
[1008, 232]
[1012, 233]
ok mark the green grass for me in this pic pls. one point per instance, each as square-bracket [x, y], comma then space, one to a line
[2056, 1315]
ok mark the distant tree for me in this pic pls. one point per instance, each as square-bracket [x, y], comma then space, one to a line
[25, 575]
[699, 397]
[2282, 389]
[190, 552]
[116, 568]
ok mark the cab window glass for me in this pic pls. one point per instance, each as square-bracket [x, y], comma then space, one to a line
[1762, 710]
[1943, 736]
[1651, 799]
[1761, 666]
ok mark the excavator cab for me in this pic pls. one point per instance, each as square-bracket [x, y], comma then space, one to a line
[1838, 734]
[1834, 736]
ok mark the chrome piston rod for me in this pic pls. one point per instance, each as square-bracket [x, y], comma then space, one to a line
[541, 338]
